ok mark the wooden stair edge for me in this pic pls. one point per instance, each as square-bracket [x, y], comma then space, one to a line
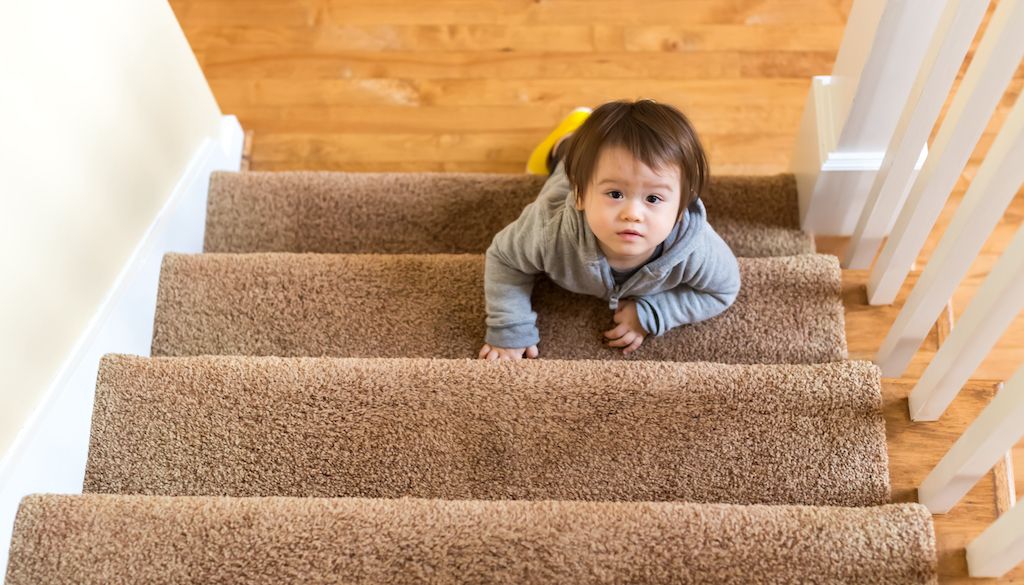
[1003, 483]
[1003, 480]
[246, 163]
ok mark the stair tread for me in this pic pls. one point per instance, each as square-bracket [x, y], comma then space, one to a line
[392, 213]
[110, 538]
[472, 429]
[789, 310]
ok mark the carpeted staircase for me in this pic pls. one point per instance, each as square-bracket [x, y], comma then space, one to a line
[313, 414]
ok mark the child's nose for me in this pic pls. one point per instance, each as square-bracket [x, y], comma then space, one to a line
[632, 211]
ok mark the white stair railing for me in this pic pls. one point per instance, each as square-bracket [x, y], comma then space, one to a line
[978, 449]
[994, 63]
[850, 115]
[946, 51]
[989, 194]
[1000, 548]
[993, 308]
[1001, 296]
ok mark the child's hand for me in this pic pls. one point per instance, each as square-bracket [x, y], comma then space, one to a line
[504, 353]
[627, 332]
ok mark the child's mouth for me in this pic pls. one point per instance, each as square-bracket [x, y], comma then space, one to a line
[629, 235]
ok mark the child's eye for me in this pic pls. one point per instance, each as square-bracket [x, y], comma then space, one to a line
[653, 199]
[614, 194]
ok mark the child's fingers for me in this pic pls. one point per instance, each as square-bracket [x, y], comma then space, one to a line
[617, 331]
[531, 352]
[634, 346]
[486, 349]
[624, 340]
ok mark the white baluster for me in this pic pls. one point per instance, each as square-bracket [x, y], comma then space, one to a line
[849, 116]
[993, 308]
[1000, 548]
[990, 193]
[994, 63]
[989, 437]
[946, 52]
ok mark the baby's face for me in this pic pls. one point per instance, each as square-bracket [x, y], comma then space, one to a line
[630, 207]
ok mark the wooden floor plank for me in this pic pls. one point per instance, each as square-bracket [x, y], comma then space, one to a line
[914, 450]
[605, 63]
[531, 121]
[572, 37]
[326, 150]
[569, 93]
[419, 12]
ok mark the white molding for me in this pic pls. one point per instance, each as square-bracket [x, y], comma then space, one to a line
[863, 161]
[825, 93]
[824, 174]
[49, 452]
[850, 116]
[945, 53]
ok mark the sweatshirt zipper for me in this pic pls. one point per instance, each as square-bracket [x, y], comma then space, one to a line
[609, 280]
[616, 292]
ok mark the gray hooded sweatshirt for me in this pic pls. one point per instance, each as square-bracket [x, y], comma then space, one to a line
[695, 278]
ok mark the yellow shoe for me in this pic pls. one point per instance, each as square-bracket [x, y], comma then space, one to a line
[538, 163]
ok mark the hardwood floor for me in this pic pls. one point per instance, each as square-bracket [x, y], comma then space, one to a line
[914, 448]
[471, 85]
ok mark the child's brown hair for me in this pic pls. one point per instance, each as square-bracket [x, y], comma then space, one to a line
[657, 135]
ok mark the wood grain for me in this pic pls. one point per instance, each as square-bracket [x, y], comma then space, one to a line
[1003, 476]
[914, 450]
[247, 151]
[944, 324]
[313, 13]
[864, 322]
[271, 63]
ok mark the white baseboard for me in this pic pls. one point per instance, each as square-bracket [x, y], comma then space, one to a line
[49, 453]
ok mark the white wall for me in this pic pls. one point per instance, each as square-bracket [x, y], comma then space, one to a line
[102, 106]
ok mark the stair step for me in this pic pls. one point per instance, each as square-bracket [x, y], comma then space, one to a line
[472, 429]
[90, 539]
[419, 213]
[789, 310]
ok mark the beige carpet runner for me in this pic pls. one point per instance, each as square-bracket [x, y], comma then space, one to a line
[469, 429]
[789, 310]
[315, 414]
[430, 213]
[149, 539]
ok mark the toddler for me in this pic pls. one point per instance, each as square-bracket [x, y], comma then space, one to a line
[620, 218]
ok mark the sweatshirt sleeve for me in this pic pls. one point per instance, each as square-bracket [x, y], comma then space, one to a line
[712, 289]
[511, 265]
